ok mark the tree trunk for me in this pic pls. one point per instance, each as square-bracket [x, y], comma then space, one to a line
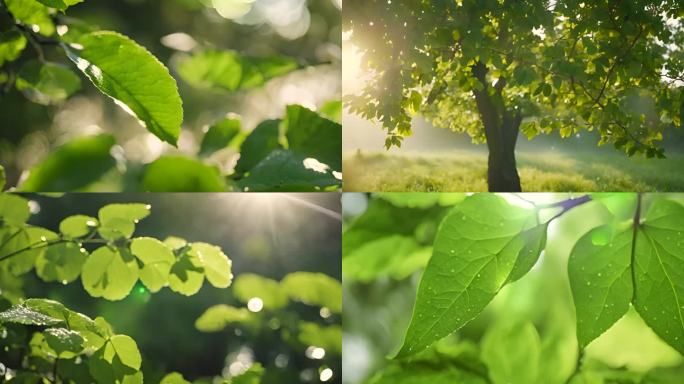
[501, 131]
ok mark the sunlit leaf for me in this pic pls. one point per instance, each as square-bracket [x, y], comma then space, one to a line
[61, 262]
[64, 340]
[221, 135]
[118, 220]
[220, 316]
[12, 43]
[314, 289]
[249, 285]
[31, 12]
[217, 266]
[501, 349]
[77, 226]
[109, 273]
[181, 174]
[46, 83]
[311, 135]
[157, 259]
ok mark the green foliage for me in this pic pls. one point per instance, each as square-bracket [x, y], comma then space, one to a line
[189, 175]
[312, 135]
[46, 83]
[221, 135]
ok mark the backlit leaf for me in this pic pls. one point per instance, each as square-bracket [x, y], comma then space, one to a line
[109, 273]
[249, 285]
[181, 174]
[46, 83]
[217, 266]
[313, 288]
[61, 262]
[157, 259]
[311, 135]
[218, 317]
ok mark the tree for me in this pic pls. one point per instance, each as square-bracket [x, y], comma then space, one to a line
[494, 69]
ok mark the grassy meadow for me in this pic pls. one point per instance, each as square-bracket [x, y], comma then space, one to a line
[539, 171]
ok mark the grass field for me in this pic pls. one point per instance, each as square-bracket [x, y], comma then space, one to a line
[539, 171]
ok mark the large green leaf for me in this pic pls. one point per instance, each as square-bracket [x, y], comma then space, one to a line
[46, 83]
[249, 285]
[599, 268]
[476, 249]
[659, 271]
[182, 174]
[21, 314]
[61, 262]
[311, 135]
[286, 171]
[228, 70]
[187, 274]
[157, 260]
[512, 353]
[109, 273]
[222, 134]
[117, 361]
[258, 144]
[218, 317]
[32, 12]
[134, 78]
[217, 266]
[64, 340]
[90, 156]
[314, 289]
[118, 220]
[12, 43]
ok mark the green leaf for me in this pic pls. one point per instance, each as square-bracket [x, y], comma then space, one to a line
[600, 278]
[12, 44]
[258, 145]
[411, 199]
[314, 289]
[117, 361]
[134, 78]
[46, 83]
[501, 351]
[89, 328]
[659, 254]
[311, 135]
[378, 258]
[328, 338]
[534, 240]
[217, 266]
[64, 340]
[77, 226]
[220, 316]
[118, 220]
[250, 376]
[249, 285]
[425, 374]
[31, 12]
[220, 135]
[90, 155]
[26, 245]
[174, 378]
[61, 262]
[187, 274]
[58, 4]
[181, 174]
[3, 177]
[332, 110]
[230, 71]
[109, 273]
[475, 251]
[127, 351]
[21, 314]
[14, 209]
[157, 260]
[285, 171]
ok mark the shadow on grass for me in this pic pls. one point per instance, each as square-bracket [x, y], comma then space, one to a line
[539, 172]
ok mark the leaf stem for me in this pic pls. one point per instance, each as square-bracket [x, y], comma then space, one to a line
[45, 244]
[565, 205]
[635, 228]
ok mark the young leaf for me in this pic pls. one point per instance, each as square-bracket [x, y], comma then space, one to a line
[187, 274]
[64, 340]
[311, 135]
[249, 285]
[118, 220]
[501, 351]
[109, 273]
[61, 262]
[157, 259]
[218, 317]
[230, 71]
[658, 270]
[217, 266]
[220, 135]
[90, 155]
[286, 171]
[21, 314]
[599, 268]
[46, 83]
[314, 289]
[475, 251]
[258, 144]
[181, 174]
[134, 78]
[77, 226]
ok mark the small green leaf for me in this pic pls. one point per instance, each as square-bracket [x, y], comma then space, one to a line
[659, 256]
[31, 12]
[231, 71]
[328, 338]
[174, 378]
[220, 135]
[248, 286]
[64, 340]
[134, 78]
[286, 171]
[12, 44]
[258, 145]
[77, 226]
[14, 209]
[217, 266]
[109, 273]
[600, 278]
[501, 348]
[118, 220]
[21, 314]
[314, 289]
[220, 316]
[46, 83]
[157, 259]
[475, 252]
[90, 155]
[61, 262]
[127, 351]
[187, 274]
[311, 135]
[182, 174]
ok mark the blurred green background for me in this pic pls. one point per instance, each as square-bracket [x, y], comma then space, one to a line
[378, 305]
[308, 31]
[267, 234]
